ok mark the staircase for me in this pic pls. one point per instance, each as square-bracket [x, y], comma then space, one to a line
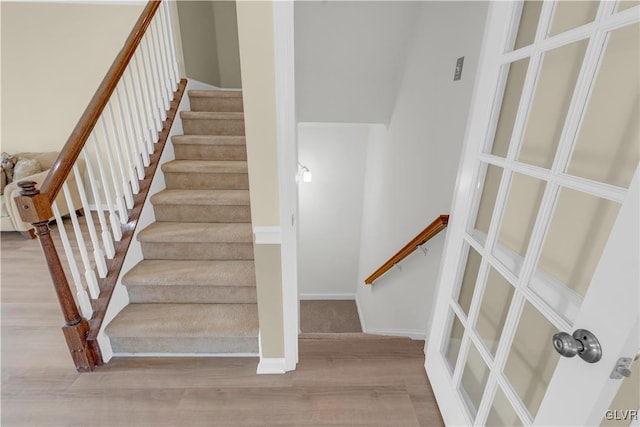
[194, 292]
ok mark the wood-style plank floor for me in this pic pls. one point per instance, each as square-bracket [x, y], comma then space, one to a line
[341, 379]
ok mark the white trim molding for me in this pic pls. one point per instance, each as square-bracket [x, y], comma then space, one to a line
[267, 235]
[284, 56]
[271, 365]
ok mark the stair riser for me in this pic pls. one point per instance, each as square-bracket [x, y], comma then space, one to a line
[210, 152]
[197, 251]
[222, 105]
[213, 127]
[206, 181]
[200, 213]
[193, 294]
[184, 345]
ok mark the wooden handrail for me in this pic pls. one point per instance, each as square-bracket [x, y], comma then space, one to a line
[434, 228]
[64, 163]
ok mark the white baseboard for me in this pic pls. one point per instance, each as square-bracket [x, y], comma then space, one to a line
[271, 365]
[327, 297]
[185, 355]
[198, 85]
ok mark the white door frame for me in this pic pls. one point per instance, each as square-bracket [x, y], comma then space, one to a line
[283, 25]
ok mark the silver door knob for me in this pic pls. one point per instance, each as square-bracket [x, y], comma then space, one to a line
[582, 343]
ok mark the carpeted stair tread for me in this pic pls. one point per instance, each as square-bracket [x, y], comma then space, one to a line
[212, 123]
[204, 166]
[191, 273]
[201, 197]
[210, 147]
[196, 232]
[215, 93]
[186, 320]
[208, 140]
[191, 282]
[216, 100]
[185, 328]
[211, 115]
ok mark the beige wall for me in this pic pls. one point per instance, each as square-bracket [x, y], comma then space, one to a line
[197, 29]
[269, 279]
[255, 31]
[54, 57]
[210, 42]
[224, 13]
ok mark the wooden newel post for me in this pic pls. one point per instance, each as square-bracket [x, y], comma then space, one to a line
[35, 208]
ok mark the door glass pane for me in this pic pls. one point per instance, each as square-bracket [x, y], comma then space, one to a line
[626, 4]
[474, 380]
[528, 23]
[453, 342]
[572, 14]
[509, 108]
[487, 201]
[493, 310]
[501, 412]
[607, 149]
[469, 280]
[579, 229]
[532, 359]
[553, 93]
[521, 211]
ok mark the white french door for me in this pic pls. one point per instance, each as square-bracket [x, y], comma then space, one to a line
[544, 230]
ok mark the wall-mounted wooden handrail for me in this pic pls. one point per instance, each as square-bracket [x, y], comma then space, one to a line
[434, 228]
[64, 163]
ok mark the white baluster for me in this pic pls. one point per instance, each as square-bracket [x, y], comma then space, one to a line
[153, 88]
[164, 63]
[129, 140]
[122, 210]
[146, 102]
[89, 274]
[136, 139]
[153, 27]
[174, 61]
[81, 293]
[113, 218]
[153, 64]
[106, 237]
[98, 254]
[141, 138]
[122, 166]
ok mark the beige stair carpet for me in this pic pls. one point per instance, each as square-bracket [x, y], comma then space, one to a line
[195, 292]
[329, 316]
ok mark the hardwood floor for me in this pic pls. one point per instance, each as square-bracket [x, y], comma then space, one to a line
[344, 379]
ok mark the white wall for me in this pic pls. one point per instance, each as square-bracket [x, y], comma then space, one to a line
[54, 56]
[412, 166]
[330, 208]
[349, 57]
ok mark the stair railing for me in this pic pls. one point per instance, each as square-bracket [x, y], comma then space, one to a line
[104, 171]
[439, 224]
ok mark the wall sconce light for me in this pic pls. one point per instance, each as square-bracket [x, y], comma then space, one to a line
[306, 173]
